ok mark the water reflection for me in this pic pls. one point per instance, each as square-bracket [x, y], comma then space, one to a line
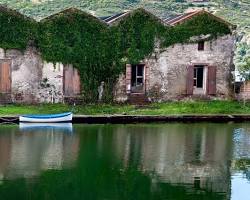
[195, 155]
[32, 148]
[155, 161]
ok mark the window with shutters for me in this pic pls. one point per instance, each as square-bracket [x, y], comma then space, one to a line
[199, 79]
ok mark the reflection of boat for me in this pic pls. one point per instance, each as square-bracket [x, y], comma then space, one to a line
[62, 127]
[53, 118]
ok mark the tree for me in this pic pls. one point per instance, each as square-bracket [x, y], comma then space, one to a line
[242, 61]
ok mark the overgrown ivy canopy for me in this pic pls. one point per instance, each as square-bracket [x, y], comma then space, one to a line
[16, 30]
[100, 51]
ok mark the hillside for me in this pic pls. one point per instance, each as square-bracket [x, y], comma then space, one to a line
[237, 12]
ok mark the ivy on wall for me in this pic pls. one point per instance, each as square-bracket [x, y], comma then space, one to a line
[96, 49]
[202, 24]
[16, 30]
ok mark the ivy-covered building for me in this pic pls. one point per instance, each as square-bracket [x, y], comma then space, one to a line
[200, 67]
[137, 55]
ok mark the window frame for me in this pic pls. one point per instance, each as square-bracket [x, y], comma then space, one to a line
[201, 45]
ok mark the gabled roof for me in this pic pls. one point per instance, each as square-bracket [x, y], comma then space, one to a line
[71, 10]
[6, 9]
[171, 20]
[178, 19]
[111, 20]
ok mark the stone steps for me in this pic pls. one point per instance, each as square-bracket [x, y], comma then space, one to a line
[138, 99]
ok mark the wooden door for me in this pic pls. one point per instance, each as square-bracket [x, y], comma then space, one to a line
[5, 77]
[72, 83]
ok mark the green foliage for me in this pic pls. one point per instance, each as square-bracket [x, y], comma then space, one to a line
[82, 40]
[16, 30]
[99, 51]
[202, 24]
[242, 60]
[170, 108]
[136, 35]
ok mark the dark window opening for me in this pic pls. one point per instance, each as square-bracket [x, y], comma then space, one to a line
[197, 182]
[198, 76]
[201, 46]
[137, 79]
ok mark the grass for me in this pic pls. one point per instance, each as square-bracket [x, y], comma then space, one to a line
[170, 108]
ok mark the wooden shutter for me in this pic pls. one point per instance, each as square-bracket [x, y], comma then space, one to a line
[71, 85]
[146, 77]
[5, 76]
[211, 80]
[190, 80]
[128, 77]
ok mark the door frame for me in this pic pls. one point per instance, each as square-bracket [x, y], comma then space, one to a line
[143, 78]
[65, 68]
[205, 77]
[202, 90]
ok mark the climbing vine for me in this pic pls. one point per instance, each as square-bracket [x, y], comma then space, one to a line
[100, 51]
[16, 30]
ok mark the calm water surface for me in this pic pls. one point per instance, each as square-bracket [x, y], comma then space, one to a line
[134, 162]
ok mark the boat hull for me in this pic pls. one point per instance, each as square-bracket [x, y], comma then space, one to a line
[67, 117]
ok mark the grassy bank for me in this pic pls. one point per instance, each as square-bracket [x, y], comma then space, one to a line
[171, 108]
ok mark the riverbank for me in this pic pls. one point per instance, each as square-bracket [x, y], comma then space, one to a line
[129, 119]
[156, 109]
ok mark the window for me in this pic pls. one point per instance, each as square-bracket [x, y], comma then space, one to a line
[198, 76]
[137, 79]
[201, 45]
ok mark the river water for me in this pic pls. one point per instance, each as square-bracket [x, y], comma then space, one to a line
[133, 162]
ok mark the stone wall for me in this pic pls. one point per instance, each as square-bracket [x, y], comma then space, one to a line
[32, 79]
[51, 85]
[168, 69]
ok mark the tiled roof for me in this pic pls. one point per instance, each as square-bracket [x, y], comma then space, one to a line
[172, 20]
[114, 17]
[177, 19]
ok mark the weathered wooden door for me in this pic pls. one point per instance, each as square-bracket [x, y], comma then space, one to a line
[72, 83]
[5, 81]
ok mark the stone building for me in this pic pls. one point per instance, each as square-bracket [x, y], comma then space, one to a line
[26, 78]
[201, 68]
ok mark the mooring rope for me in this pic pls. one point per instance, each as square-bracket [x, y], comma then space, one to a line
[8, 120]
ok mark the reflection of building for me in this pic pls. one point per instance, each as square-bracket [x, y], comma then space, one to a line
[5, 149]
[36, 150]
[195, 154]
[242, 142]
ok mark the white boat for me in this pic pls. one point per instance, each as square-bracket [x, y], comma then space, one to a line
[53, 118]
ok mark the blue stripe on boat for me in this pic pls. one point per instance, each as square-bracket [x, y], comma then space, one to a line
[48, 116]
